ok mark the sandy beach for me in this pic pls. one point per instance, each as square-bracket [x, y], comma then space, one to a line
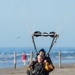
[66, 69]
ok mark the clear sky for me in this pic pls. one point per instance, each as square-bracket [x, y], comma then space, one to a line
[20, 18]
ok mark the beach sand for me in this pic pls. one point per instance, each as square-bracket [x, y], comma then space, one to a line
[66, 69]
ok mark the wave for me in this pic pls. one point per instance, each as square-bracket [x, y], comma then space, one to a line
[66, 52]
[69, 57]
[9, 57]
[63, 54]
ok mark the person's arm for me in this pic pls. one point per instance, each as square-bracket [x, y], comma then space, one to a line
[31, 65]
[49, 61]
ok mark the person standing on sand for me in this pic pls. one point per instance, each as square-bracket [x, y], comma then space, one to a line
[24, 57]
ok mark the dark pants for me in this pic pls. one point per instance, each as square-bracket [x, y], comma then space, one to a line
[29, 72]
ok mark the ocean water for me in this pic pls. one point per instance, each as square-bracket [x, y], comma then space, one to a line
[7, 55]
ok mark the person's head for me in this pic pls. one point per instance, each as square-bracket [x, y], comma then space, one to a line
[23, 51]
[42, 52]
[40, 58]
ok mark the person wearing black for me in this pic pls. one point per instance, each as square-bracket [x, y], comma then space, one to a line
[47, 60]
[38, 67]
[46, 64]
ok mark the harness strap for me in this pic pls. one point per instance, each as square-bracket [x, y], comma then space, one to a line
[34, 44]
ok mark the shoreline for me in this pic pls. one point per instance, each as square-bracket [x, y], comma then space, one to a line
[63, 65]
[65, 69]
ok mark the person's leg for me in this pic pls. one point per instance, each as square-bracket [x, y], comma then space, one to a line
[24, 62]
[28, 72]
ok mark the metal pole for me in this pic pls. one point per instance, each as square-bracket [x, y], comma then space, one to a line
[14, 60]
[31, 55]
[59, 58]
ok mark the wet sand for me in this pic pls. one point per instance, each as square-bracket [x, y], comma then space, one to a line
[66, 69]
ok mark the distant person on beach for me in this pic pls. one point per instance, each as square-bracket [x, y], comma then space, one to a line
[24, 57]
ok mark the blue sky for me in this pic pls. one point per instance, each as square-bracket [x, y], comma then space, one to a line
[20, 18]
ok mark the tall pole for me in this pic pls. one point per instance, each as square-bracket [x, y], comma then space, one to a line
[59, 59]
[14, 60]
[31, 56]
